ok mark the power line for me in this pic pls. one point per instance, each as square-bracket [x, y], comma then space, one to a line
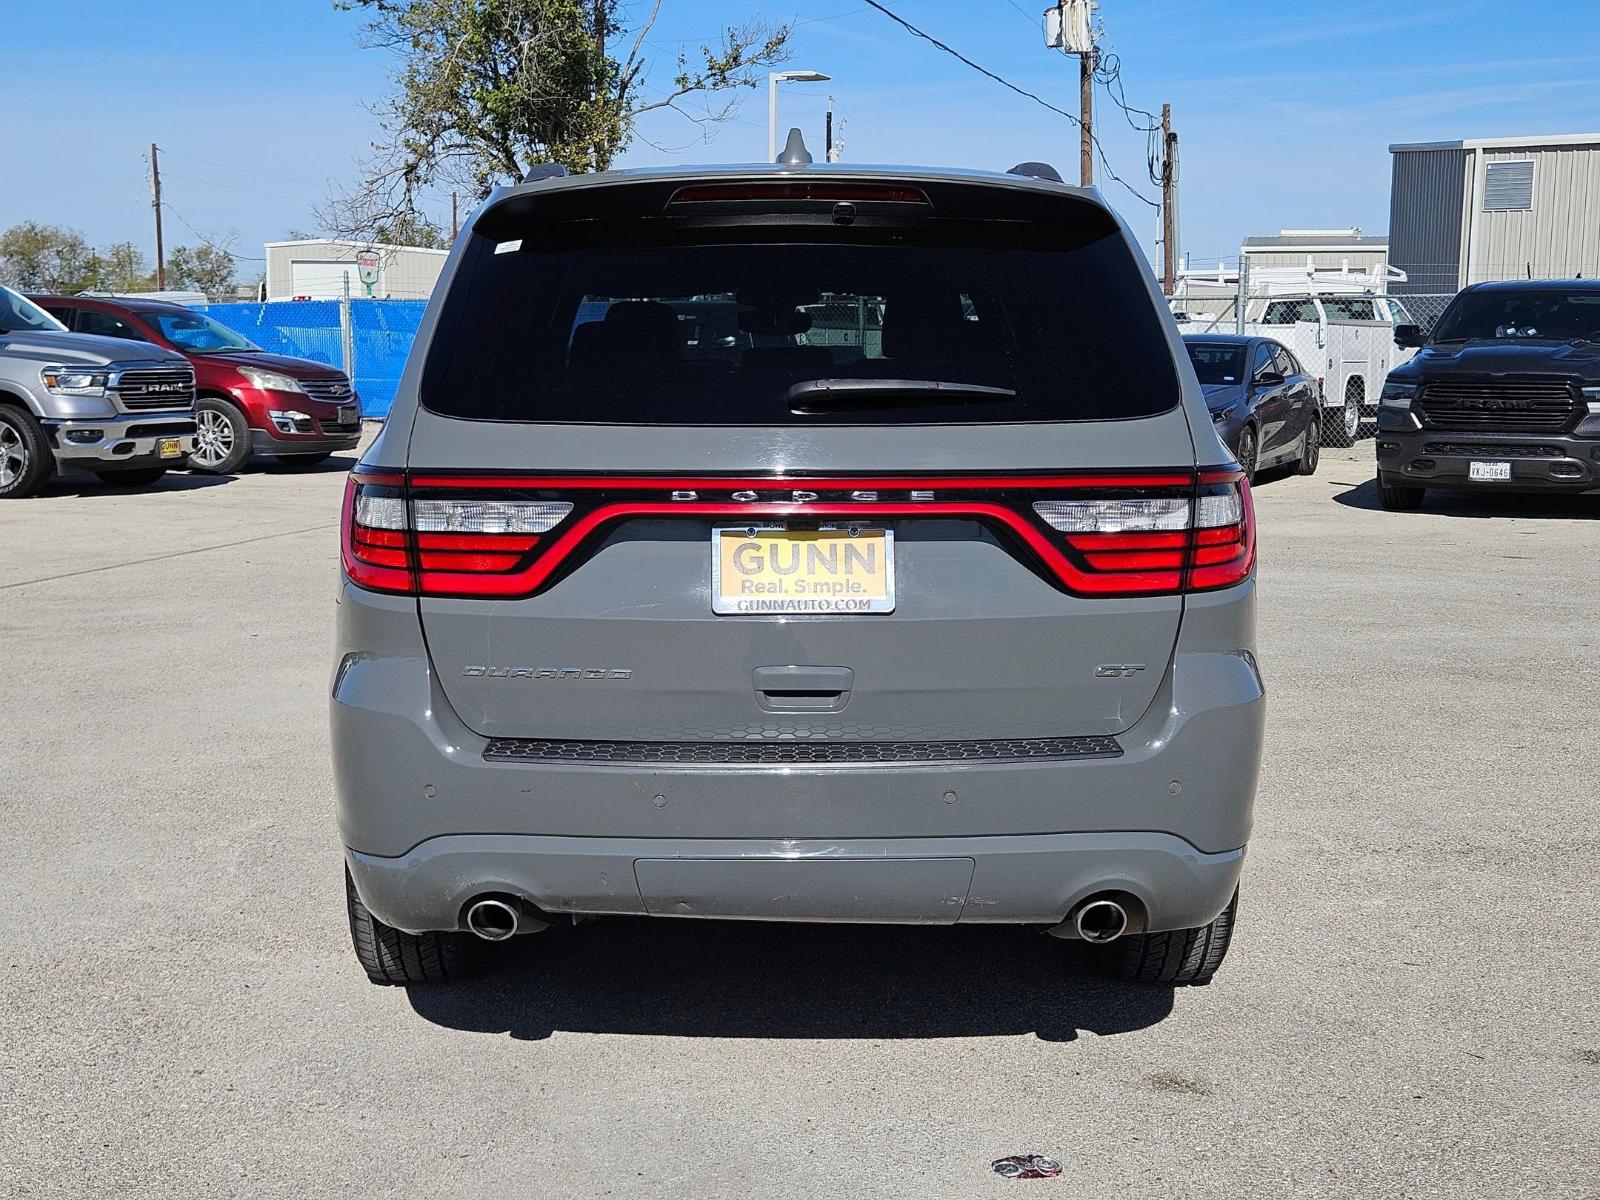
[882, 145]
[1109, 73]
[234, 187]
[241, 170]
[167, 205]
[1006, 83]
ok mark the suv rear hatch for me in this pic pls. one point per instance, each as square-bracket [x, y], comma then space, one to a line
[757, 459]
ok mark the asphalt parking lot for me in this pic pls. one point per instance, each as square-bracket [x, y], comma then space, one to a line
[1410, 1008]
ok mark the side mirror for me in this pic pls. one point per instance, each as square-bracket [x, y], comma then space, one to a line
[1268, 379]
[1408, 337]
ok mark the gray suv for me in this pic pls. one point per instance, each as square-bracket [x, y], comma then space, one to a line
[797, 544]
[69, 401]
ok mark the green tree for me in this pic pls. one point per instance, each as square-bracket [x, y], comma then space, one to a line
[204, 268]
[122, 267]
[487, 88]
[46, 258]
[410, 229]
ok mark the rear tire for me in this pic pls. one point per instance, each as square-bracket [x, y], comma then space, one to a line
[25, 458]
[390, 955]
[1176, 958]
[137, 477]
[1341, 427]
[1397, 497]
[1249, 452]
[1310, 449]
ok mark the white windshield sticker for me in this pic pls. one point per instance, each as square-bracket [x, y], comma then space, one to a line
[510, 247]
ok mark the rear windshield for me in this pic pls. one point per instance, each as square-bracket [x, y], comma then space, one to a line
[800, 325]
[1535, 313]
[1217, 362]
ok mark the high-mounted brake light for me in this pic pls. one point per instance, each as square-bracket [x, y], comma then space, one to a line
[439, 533]
[821, 191]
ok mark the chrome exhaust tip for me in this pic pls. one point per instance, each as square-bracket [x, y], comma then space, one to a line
[1100, 921]
[493, 919]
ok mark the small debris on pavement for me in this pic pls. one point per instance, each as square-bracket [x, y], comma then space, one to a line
[1026, 1166]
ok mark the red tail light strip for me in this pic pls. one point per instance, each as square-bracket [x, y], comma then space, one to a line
[501, 566]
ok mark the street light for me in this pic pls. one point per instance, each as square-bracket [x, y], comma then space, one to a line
[773, 79]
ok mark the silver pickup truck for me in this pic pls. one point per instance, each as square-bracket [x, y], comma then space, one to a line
[69, 401]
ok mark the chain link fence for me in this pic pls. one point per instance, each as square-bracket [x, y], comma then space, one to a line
[1345, 341]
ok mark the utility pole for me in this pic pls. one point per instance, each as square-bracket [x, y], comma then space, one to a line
[155, 203]
[1086, 115]
[827, 155]
[455, 221]
[600, 53]
[1169, 202]
[1069, 28]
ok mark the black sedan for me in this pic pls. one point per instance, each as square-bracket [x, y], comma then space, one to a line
[1266, 409]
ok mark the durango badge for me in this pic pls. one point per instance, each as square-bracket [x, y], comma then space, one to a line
[606, 673]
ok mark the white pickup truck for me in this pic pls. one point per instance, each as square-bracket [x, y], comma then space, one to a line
[1347, 341]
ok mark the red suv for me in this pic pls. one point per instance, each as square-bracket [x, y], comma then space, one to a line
[247, 401]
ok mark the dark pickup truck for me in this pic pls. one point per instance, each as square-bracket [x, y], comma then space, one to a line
[1504, 395]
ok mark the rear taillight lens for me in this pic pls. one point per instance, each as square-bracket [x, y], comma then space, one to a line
[375, 541]
[400, 542]
[1224, 534]
[1152, 544]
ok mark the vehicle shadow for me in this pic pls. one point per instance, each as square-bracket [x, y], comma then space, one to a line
[337, 464]
[1456, 503]
[91, 486]
[638, 975]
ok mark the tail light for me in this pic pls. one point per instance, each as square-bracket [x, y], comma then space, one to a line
[397, 542]
[1197, 540]
[439, 534]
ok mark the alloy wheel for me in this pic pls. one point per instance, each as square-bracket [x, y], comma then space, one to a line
[213, 437]
[13, 454]
[1247, 452]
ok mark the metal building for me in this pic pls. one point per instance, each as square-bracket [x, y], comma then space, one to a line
[1495, 208]
[315, 269]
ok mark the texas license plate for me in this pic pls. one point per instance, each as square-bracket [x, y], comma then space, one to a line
[833, 569]
[170, 448]
[1487, 472]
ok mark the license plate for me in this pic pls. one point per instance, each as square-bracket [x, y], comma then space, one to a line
[347, 415]
[832, 570]
[170, 447]
[1489, 471]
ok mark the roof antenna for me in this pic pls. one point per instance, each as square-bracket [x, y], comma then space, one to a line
[542, 171]
[1036, 170]
[794, 153]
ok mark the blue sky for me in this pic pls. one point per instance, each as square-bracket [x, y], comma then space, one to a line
[1285, 109]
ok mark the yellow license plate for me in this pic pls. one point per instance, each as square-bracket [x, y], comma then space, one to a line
[834, 569]
[170, 448]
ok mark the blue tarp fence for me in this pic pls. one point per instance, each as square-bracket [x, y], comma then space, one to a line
[381, 333]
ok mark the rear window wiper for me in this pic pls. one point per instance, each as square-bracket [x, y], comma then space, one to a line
[823, 395]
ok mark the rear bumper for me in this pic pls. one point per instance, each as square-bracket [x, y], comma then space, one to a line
[128, 440]
[429, 821]
[1023, 879]
[1435, 458]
